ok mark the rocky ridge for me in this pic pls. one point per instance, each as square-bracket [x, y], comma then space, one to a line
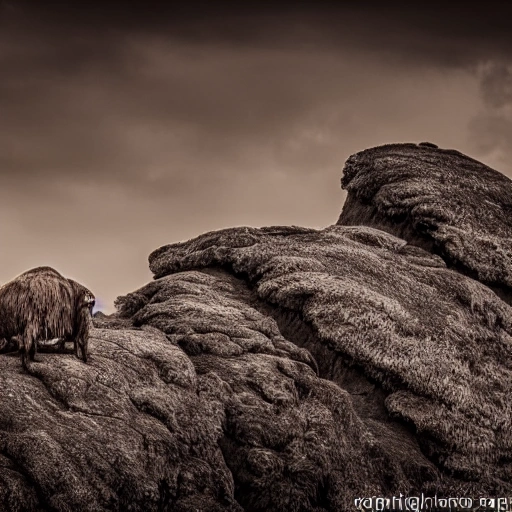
[288, 368]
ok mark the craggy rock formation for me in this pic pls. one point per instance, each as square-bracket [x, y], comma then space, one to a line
[291, 440]
[222, 413]
[131, 430]
[436, 344]
[286, 368]
[436, 198]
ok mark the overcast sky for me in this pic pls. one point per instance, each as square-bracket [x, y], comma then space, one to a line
[122, 130]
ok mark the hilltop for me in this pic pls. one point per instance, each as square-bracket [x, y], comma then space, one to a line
[288, 368]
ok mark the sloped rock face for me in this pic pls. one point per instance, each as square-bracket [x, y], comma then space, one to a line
[436, 343]
[219, 413]
[131, 430]
[291, 440]
[439, 199]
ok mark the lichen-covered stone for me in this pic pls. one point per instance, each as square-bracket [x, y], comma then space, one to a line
[436, 198]
[131, 430]
[435, 343]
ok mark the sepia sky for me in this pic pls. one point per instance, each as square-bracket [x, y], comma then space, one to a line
[126, 128]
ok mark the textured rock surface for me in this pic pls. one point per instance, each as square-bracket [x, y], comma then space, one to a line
[131, 430]
[288, 368]
[437, 198]
[222, 413]
[292, 440]
[436, 343]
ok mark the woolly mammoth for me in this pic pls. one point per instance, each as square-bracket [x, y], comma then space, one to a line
[41, 304]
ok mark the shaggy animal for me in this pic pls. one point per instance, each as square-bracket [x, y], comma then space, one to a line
[41, 304]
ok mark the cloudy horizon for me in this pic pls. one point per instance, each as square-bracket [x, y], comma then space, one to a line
[124, 130]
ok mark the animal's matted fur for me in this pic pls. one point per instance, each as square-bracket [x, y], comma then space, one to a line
[41, 304]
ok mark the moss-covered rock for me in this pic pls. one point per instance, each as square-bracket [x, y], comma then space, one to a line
[435, 343]
[436, 198]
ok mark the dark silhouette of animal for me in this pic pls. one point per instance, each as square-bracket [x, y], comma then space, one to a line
[41, 304]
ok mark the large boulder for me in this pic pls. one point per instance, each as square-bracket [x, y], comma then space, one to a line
[438, 199]
[390, 323]
[291, 440]
[131, 430]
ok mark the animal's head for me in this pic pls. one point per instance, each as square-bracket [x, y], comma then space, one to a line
[89, 301]
[83, 296]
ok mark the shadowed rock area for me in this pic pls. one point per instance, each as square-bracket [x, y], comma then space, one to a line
[287, 368]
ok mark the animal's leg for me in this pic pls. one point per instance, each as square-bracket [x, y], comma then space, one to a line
[80, 351]
[84, 352]
[83, 349]
[33, 349]
[82, 335]
[30, 340]
[24, 361]
[23, 350]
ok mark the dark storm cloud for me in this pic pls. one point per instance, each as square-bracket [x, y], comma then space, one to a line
[447, 32]
[112, 105]
[496, 85]
[491, 128]
[105, 92]
[205, 76]
[125, 127]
